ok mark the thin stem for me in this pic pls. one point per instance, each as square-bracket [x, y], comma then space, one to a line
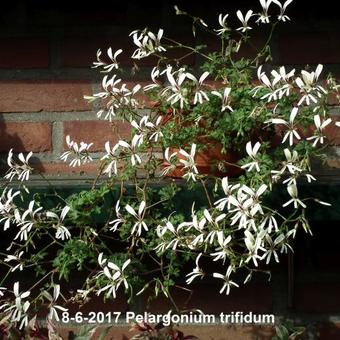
[207, 193]
[194, 50]
[42, 279]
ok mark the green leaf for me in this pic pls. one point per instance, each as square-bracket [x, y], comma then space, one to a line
[282, 332]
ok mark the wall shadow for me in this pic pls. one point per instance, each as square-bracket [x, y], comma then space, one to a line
[13, 141]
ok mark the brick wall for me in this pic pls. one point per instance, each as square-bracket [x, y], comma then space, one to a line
[47, 52]
[45, 59]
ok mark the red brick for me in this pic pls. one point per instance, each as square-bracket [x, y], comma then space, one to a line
[332, 133]
[307, 48]
[59, 168]
[143, 98]
[333, 99]
[96, 131]
[44, 95]
[23, 53]
[214, 85]
[25, 136]
[333, 162]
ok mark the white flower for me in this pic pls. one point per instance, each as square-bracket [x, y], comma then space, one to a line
[228, 191]
[273, 94]
[271, 221]
[79, 152]
[189, 163]
[1, 292]
[17, 311]
[115, 275]
[196, 272]
[140, 224]
[155, 73]
[222, 21]
[225, 98]
[227, 282]
[319, 137]
[322, 202]
[8, 209]
[278, 86]
[147, 43]
[292, 164]
[161, 230]
[244, 20]
[264, 17]
[120, 99]
[145, 128]
[53, 307]
[109, 86]
[198, 226]
[22, 171]
[310, 178]
[254, 198]
[134, 157]
[142, 129]
[308, 87]
[223, 251]
[252, 152]
[282, 77]
[242, 210]
[271, 247]
[293, 192]
[116, 222]
[214, 222]
[179, 92]
[112, 156]
[113, 58]
[282, 16]
[169, 158]
[16, 258]
[285, 241]
[156, 131]
[291, 160]
[62, 232]
[200, 96]
[28, 219]
[84, 293]
[291, 133]
[253, 245]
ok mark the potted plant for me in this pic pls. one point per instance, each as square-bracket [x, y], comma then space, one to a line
[129, 233]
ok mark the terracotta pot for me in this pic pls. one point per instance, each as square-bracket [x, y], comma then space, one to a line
[210, 162]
